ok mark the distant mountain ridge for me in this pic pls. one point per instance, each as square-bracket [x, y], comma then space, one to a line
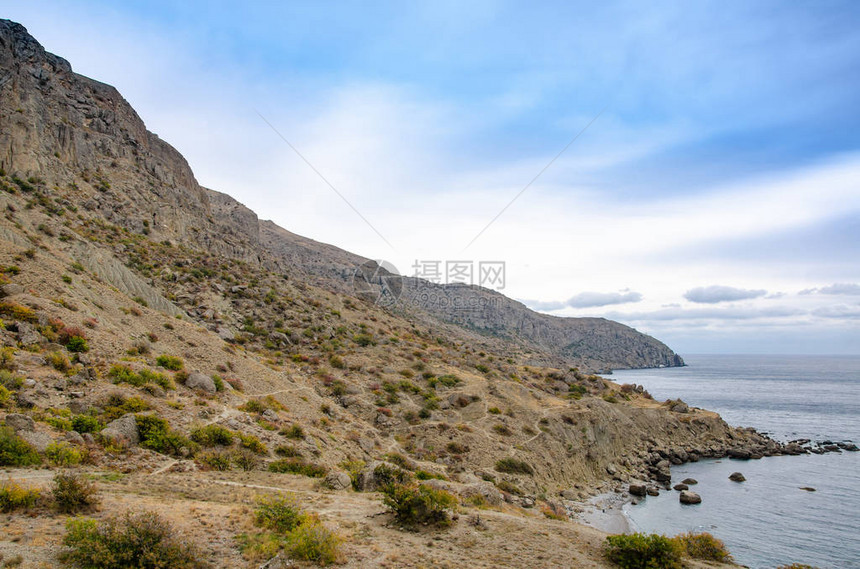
[55, 121]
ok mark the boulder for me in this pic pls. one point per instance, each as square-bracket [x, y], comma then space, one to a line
[200, 381]
[368, 481]
[637, 489]
[337, 480]
[460, 400]
[485, 490]
[689, 481]
[680, 487]
[28, 335]
[739, 454]
[20, 423]
[688, 497]
[123, 430]
[37, 440]
[808, 488]
[225, 334]
[736, 477]
[652, 491]
[11, 289]
[680, 407]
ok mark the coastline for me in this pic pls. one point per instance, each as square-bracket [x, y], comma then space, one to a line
[605, 512]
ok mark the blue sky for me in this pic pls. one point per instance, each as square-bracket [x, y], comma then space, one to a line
[725, 159]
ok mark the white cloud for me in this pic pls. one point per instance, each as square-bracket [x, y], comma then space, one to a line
[716, 293]
[848, 289]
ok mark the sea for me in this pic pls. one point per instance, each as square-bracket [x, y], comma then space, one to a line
[769, 520]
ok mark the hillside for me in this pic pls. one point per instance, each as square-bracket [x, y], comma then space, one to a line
[142, 315]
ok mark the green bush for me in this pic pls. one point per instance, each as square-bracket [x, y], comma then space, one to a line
[9, 380]
[133, 541]
[294, 432]
[72, 493]
[216, 460]
[156, 434]
[14, 497]
[421, 504]
[314, 542]
[252, 443]
[77, 344]
[512, 465]
[279, 513]
[172, 363]
[124, 374]
[219, 382]
[212, 435]
[287, 451]
[703, 546]
[14, 451]
[641, 551]
[386, 475]
[5, 396]
[298, 466]
[86, 424]
[63, 454]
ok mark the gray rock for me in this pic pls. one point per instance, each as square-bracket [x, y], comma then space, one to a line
[689, 481]
[680, 487]
[366, 444]
[652, 491]
[637, 489]
[123, 431]
[737, 477]
[74, 437]
[11, 289]
[688, 497]
[28, 335]
[37, 440]
[367, 480]
[337, 480]
[201, 381]
[225, 334]
[680, 407]
[20, 423]
[485, 490]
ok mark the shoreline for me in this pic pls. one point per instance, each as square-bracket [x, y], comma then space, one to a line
[605, 512]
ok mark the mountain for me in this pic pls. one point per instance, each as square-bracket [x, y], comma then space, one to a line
[88, 137]
[191, 358]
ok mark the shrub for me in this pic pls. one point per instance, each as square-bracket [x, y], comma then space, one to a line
[62, 454]
[252, 443]
[73, 493]
[15, 451]
[703, 546]
[414, 505]
[133, 541]
[219, 382]
[212, 435]
[124, 374]
[494, 411]
[14, 497]
[245, 460]
[457, 448]
[77, 344]
[5, 396]
[287, 451]
[298, 466]
[59, 362]
[425, 475]
[641, 551]
[10, 381]
[294, 432]
[363, 339]
[279, 513]
[314, 542]
[386, 475]
[86, 424]
[337, 362]
[512, 465]
[216, 460]
[503, 429]
[169, 362]
[156, 434]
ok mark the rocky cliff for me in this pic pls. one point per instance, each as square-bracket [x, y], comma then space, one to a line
[93, 145]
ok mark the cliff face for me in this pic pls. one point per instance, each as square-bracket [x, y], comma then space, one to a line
[90, 142]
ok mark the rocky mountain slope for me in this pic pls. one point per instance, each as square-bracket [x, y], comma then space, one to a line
[89, 138]
[160, 338]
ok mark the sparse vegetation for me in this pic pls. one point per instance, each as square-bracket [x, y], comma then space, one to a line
[418, 504]
[298, 466]
[133, 541]
[643, 551]
[703, 546]
[15, 497]
[512, 465]
[14, 451]
[72, 493]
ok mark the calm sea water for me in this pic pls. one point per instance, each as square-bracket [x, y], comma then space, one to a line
[768, 520]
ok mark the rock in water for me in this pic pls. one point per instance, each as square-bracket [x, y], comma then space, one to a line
[680, 487]
[808, 488]
[689, 481]
[637, 490]
[688, 497]
[737, 477]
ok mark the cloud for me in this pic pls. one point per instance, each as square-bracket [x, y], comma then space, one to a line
[592, 299]
[717, 293]
[839, 311]
[586, 300]
[847, 289]
[725, 314]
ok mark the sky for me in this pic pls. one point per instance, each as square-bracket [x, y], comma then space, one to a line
[689, 169]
